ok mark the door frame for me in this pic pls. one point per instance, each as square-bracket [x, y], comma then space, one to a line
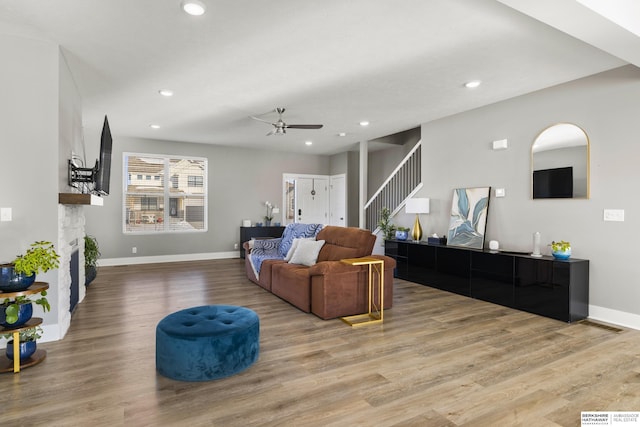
[286, 177]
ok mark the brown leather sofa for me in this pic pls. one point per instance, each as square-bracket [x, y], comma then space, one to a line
[330, 288]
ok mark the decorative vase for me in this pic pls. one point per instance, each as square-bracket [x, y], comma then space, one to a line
[402, 235]
[267, 223]
[90, 273]
[10, 281]
[561, 254]
[27, 348]
[25, 311]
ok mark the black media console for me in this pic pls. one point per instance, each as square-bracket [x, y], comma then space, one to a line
[553, 288]
[247, 233]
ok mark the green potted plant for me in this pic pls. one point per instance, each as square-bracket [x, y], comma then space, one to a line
[19, 274]
[385, 225]
[28, 344]
[18, 310]
[561, 249]
[91, 255]
[269, 216]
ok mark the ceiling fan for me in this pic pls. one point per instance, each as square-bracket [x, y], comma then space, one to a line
[280, 127]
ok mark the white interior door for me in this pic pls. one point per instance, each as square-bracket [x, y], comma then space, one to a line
[312, 200]
[337, 200]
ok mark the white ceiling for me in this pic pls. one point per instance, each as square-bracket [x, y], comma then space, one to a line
[396, 64]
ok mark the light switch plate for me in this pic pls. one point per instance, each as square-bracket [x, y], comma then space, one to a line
[5, 214]
[614, 215]
[499, 192]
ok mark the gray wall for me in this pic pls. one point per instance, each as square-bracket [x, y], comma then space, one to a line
[457, 153]
[240, 181]
[29, 141]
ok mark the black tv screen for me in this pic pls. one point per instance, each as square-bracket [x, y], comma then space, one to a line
[101, 185]
[553, 183]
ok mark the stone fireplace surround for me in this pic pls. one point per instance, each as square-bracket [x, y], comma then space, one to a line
[71, 231]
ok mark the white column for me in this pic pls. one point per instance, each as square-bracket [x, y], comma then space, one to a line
[364, 164]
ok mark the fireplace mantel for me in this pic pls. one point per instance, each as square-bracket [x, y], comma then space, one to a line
[79, 199]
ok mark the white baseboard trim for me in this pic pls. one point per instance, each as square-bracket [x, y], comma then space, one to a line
[167, 258]
[621, 318]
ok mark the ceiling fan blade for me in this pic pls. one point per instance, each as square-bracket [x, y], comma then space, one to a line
[261, 120]
[304, 126]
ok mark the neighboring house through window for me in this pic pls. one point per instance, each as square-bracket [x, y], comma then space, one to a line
[158, 205]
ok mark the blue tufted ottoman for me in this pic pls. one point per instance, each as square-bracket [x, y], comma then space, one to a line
[207, 342]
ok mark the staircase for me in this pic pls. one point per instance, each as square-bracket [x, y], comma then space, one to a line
[401, 185]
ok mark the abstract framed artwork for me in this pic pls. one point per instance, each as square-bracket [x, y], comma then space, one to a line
[468, 220]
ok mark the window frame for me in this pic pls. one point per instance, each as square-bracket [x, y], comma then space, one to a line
[164, 227]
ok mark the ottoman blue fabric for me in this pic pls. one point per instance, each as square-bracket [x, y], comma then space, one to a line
[207, 342]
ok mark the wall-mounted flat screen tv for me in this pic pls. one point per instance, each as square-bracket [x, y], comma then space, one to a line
[553, 183]
[103, 172]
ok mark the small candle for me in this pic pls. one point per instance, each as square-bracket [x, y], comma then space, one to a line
[536, 243]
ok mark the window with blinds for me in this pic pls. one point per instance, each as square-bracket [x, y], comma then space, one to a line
[164, 193]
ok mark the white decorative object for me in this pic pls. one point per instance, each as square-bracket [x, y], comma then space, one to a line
[536, 245]
[246, 223]
[494, 245]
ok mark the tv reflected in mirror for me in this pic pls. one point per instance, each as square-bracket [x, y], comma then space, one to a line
[554, 183]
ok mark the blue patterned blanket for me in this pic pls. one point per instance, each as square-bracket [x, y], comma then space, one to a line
[278, 248]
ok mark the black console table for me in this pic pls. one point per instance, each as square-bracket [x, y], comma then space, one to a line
[553, 288]
[247, 233]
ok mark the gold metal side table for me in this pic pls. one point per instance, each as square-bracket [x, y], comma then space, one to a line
[376, 312]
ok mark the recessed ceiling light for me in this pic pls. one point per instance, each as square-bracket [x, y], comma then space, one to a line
[193, 7]
[342, 134]
[364, 123]
[472, 84]
[308, 143]
[154, 126]
[165, 92]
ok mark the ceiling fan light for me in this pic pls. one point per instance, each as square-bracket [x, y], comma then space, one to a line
[193, 7]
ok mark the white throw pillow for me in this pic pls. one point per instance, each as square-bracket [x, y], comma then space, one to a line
[307, 252]
[294, 245]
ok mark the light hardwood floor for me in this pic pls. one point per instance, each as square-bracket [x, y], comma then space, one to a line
[438, 360]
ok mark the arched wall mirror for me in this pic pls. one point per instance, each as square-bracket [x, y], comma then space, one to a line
[560, 163]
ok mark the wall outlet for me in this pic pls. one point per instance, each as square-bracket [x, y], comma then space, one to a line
[235, 246]
[134, 250]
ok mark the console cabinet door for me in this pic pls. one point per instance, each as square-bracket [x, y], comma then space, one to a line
[542, 287]
[492, 278]
[398, 251]
[453, 267]
[422, 265]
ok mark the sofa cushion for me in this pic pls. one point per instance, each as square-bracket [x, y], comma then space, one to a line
[345, 242]
[307, 252]
[293, 231]
[292, 283]
[294, 246]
